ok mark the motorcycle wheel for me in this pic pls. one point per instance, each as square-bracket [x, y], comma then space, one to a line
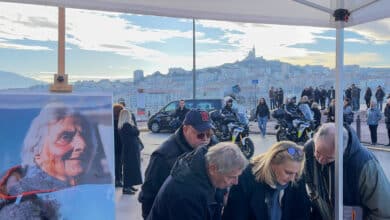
[281, 135]
[248, 149]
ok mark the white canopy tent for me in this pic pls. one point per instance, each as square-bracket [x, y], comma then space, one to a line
[288, 12]
[318, 13]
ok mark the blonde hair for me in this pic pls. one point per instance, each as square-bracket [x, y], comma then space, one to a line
[277, 154]
[125, 117]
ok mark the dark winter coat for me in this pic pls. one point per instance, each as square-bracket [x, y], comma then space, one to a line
[368, 94]
[262, 110]
[247, 200]
[181, 113]
[317, 116]
[387, 116]
[160, 165]
[365, 183]
[188, 192]
[131, 155]
[379, 94]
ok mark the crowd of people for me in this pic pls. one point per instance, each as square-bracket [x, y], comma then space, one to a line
[191, 176]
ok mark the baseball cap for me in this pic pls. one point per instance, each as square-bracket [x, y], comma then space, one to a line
[198, 119]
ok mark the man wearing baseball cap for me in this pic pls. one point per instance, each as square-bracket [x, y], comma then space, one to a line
[195, 131]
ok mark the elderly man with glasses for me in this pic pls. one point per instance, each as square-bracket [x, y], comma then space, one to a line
[365, 183]
[195, 131]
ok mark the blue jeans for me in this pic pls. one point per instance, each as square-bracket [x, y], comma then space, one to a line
[262, 121]
[379, 104]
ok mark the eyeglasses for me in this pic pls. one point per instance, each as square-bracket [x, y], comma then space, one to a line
[296, 154]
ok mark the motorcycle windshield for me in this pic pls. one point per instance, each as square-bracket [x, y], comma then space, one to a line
[243, 118]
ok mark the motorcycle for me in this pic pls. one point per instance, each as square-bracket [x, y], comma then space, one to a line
[299, 132]
[227, 128]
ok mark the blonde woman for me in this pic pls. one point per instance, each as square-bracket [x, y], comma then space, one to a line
[269, 189]
[129, 133]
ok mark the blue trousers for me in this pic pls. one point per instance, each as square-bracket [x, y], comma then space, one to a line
[262, 121]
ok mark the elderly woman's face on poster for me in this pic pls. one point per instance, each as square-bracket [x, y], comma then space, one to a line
[64, 151]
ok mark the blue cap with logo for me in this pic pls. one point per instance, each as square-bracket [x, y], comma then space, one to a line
[198, 119]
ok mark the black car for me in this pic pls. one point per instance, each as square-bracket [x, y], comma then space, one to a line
[161, 120]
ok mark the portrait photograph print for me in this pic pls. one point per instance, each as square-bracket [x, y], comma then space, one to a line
[56, 159]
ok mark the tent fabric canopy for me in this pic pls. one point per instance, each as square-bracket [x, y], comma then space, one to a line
[285, 12]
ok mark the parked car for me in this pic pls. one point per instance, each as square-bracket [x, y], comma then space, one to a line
[161, 120]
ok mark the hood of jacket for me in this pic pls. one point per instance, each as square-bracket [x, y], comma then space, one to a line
[191, 169]
[353, 143]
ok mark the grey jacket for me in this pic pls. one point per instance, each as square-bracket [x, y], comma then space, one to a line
[373, 116]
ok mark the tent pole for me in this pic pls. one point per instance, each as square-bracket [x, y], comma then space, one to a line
[340, 21]
[193, 61]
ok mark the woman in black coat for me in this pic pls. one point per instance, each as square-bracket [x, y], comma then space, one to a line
[129, 133]
[367, 96]
[269, 189]
[387, 118]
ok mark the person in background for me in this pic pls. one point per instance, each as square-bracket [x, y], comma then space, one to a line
[367, 96]
[129, 133]
[331, 111]
[347, 112]
[373, 117]
[117, 108]
[269, 188]
[304, 108]
[323, 96]
[317, 114]
[190, 190]
[365, 184]
[331, 95]
[195, 131]
[271, 95]
[379, 95]
[181, 111]
[387, 119]
[355, 96]
[262, 114]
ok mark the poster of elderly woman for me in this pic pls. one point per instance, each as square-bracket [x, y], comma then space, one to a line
[56, 158]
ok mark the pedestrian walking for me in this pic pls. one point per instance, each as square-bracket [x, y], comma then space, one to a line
[262, 114]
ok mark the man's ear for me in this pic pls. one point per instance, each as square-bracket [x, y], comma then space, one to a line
[213, 169]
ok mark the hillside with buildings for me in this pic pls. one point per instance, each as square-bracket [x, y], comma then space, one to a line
[249, 79]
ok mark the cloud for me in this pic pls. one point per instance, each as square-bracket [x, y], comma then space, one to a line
[376, 32]
[329, 59]
[114, 33]
[355, 40]
[22, 47]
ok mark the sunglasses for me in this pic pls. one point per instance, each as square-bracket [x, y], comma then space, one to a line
[296, 154]
[204, 135]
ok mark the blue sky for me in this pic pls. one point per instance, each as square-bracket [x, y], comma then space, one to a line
[113, 45]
